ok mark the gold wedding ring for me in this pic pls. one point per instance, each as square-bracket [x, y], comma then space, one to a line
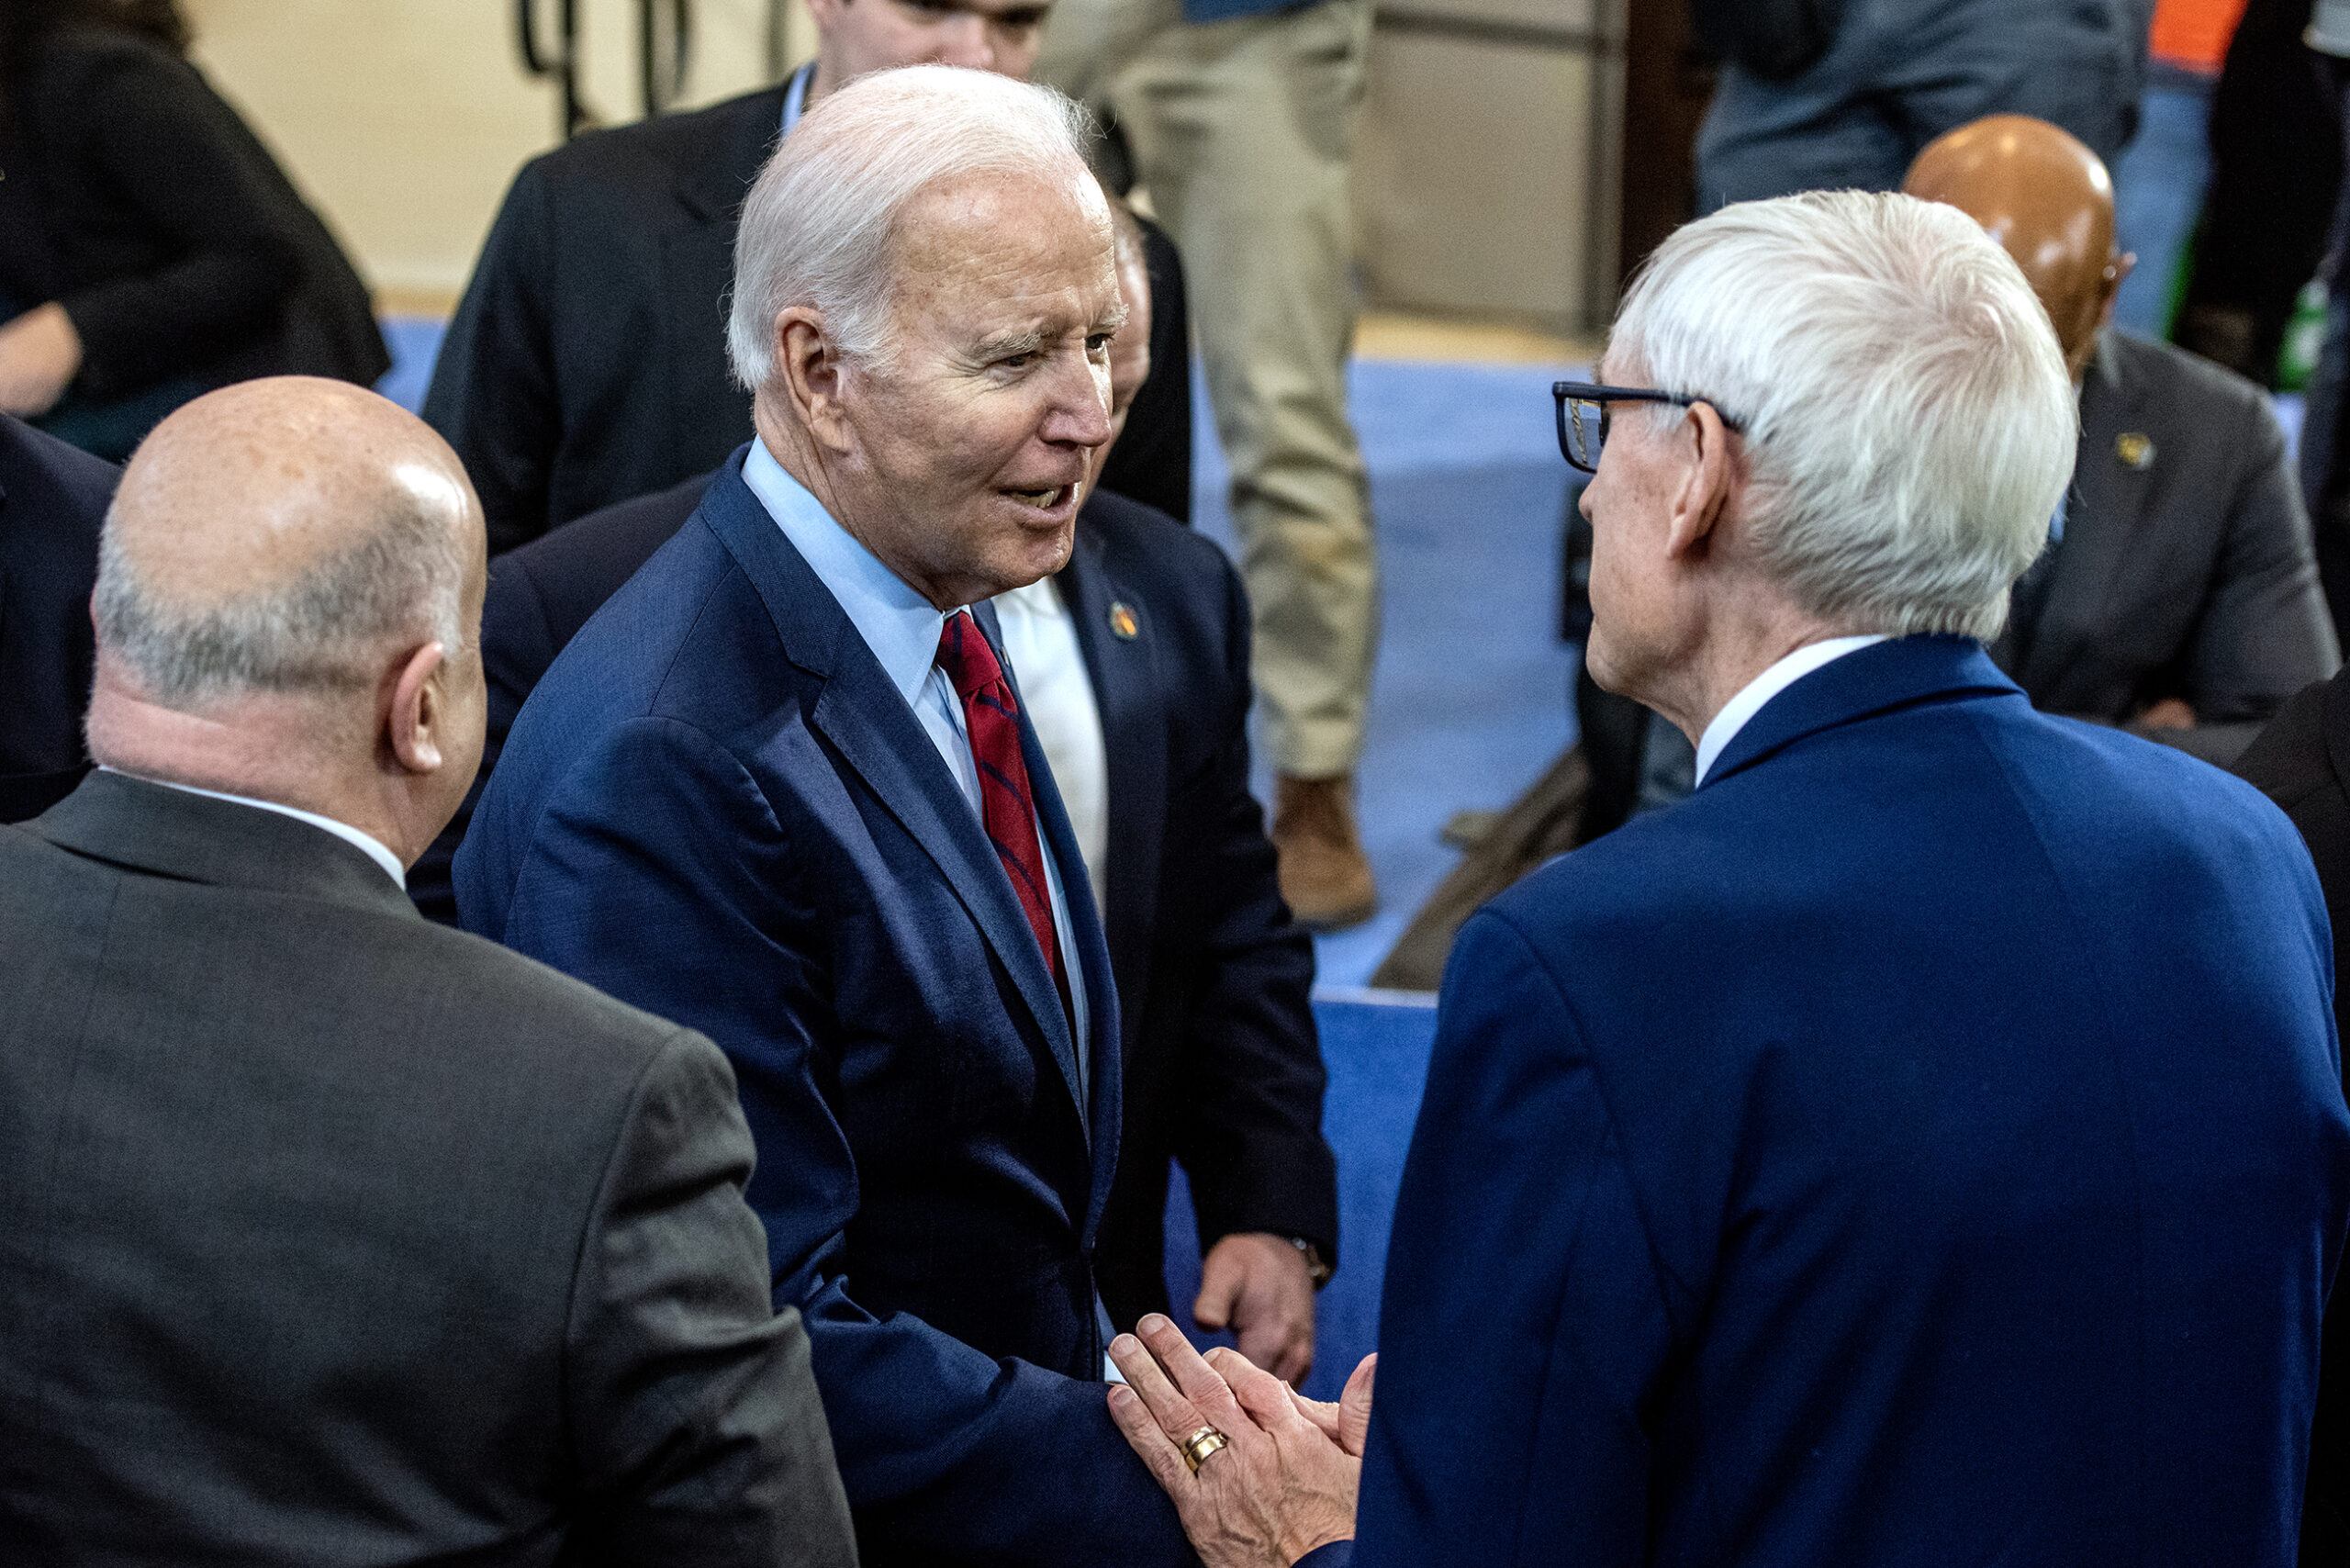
[1199, 1445]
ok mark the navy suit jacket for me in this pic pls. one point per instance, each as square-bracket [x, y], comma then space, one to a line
[1924, 1145]
[718, 808]
[52, 500]
[1221, 1068]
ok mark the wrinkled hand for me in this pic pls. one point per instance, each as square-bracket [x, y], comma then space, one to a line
[1283, 1485]
[40, 355]
[1256, 1284]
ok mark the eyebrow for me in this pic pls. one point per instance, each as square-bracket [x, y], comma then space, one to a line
[1007, 344]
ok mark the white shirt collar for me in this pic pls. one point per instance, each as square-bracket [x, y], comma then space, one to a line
[375, 848]
[1769, 684]
[899, 625]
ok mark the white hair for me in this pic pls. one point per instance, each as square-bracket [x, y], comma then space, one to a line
[818, 222]
[1910, 422]
[327, 632]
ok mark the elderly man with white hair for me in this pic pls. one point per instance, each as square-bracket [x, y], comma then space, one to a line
[781, 788]
[1924, 1145]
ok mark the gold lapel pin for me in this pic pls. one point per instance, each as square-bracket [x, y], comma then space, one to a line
[2133, 449]
[1122, 622]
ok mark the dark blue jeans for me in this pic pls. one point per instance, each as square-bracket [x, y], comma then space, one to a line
[1903, 72]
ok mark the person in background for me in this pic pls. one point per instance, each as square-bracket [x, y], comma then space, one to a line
[1823, 94]
[1924, 1145]
[1240, 116]
[332, 1237]
[52, 498]
[585, 364]
[780, 788]
[2178, 593]
[2276, 165]
[150, 249]
[1131, 661]
[2159, 181]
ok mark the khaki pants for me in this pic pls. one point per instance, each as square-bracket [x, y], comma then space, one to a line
[1242, 132]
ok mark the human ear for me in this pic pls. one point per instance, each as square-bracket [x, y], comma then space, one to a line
[2117, 273]
[418, 710]
[1704, 442]
[807, 365]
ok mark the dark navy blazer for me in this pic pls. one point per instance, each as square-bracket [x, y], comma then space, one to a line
[1924, 1145]
[717, 807]
[52, 498]
[1221, 1069]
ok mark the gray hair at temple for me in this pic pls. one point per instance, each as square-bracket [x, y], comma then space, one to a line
[1909, 424]
[325, 633]
[817, 225]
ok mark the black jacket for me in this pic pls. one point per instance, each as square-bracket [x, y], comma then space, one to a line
[2301, 761]
[52, 500]
[586, 362]
[139, 200]
[1221, 1067]
[305, 1262]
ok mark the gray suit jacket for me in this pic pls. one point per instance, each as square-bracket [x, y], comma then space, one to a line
[2186, 568]
[329, 1236]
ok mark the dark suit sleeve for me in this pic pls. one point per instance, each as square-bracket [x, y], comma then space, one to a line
[145, 126]
[700, 1435]
[658, 871]
[493, 395]
[1247, 1100]
[1524, 1326]
[2265, 632]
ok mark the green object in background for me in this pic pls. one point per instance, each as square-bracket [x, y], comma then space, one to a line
[2304, 339]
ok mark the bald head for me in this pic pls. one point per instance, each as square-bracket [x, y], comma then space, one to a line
[2048, 200]
[289, 585]
[278, 535]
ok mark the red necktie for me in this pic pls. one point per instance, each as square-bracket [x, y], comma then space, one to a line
[1006, 808]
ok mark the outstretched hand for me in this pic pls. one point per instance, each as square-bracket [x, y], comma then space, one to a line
[1285, 1482]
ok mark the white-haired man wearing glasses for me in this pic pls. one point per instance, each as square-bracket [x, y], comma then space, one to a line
[1924, 1144]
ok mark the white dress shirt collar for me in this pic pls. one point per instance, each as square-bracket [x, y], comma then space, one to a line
[375, 848]
[899, 625]
[1769, 684]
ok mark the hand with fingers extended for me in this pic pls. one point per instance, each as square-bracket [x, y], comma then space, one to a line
[1260, 1476]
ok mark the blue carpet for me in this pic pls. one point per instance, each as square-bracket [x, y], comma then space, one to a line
[1376, 1044]
[1469, 702]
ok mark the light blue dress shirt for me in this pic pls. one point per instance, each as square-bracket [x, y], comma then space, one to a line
[902, 629]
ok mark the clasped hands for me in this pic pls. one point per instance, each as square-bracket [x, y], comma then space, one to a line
[1284, 1480]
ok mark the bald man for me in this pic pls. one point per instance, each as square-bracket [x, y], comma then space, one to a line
[2179, 594]
[328, 1235]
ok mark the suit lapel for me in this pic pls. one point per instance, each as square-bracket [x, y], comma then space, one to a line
[2104, 510]
[1103, 1082]
[862, 714]
[1127, 684]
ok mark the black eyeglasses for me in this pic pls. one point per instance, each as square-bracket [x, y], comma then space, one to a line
[1583, 415]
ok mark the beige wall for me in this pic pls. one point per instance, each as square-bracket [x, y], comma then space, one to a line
[1475, 188]
[404, 120]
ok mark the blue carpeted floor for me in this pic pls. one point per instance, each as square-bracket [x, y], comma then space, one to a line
[1469, 705]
